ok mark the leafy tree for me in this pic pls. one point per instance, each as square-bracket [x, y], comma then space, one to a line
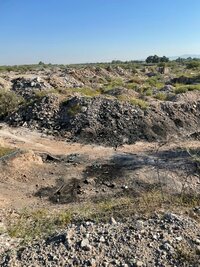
[156, 59]
[41, 63]
[164, 59]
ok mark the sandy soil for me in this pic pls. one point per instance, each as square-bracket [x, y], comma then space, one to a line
[23, 175]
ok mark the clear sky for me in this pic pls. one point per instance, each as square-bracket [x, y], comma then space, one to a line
[74, 31]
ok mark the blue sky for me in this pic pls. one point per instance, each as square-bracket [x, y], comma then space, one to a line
[73, 31]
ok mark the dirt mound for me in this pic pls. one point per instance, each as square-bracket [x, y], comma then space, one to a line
[42, 114]
[161, 240]
[109, 121]
[27, 86]
[122, 92]
[64, 81]
[4, 84]
[187, 97]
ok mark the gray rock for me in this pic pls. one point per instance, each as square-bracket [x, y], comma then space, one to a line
[112, 221]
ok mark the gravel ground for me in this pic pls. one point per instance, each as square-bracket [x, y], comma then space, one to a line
[161, 240]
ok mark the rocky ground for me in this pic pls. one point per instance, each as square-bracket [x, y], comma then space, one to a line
[79, 109]
[86, 120]
[53, 176]
[105, 172]
[161, 240]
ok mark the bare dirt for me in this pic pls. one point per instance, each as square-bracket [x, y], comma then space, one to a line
[45, 171]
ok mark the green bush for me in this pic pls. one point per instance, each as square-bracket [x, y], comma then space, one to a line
[193, 64]
[155, 82]
[185, 88]
[148, 92]
[118, 82]
[161, 96]
[180, 90]
[139, 102]
[9, 101]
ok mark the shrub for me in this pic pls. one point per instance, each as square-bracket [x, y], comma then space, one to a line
[185, 88]
[139, 102]
[85, 91]
[132, 86]
[148, 92]
[180, 90]
[118, 82]
[193, 64]
[161, 96]
[9, 101]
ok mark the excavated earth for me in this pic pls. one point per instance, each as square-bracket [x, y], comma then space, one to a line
[110, 122]
[75, 150]
[44, 172]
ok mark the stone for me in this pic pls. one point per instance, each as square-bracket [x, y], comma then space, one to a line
[85, 244]
[139, 264]
[179, 238]
[197, 241]
[102, 239]
[112, 221]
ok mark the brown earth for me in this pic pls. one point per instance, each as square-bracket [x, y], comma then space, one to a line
[46, 171]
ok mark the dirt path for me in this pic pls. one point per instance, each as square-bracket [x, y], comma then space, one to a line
[21, 177]
[24, 138]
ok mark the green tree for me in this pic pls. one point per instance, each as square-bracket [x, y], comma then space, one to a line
[156, 59]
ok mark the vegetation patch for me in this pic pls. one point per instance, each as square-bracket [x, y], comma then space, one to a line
[5, 151]
[161, 96]
[139, 102]
[113, 84]
[185, 88]
[34, 225]
[9, 102]
[37, 224]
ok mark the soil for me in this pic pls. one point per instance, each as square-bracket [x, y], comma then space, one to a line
[45, 171]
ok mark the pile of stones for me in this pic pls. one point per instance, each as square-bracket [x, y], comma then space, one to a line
[161, 240]
[109, 121]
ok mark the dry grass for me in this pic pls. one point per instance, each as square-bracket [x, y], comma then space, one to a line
[33, 225]
[36, 224]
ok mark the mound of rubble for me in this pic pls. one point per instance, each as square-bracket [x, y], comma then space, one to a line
[4, 84]
[26, 87]
[161, 240]
[109, 121]
[59, 78]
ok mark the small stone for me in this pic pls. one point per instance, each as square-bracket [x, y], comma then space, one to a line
[155, 237]
[197, 241]
[112, 221]
[139, 225]
[92, 262]
[82, 229]
[139, 263]
[179, 238]
[167, 247]
[102, 239]
[85, 244]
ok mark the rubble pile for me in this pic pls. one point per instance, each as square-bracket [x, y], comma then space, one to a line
[109, 121]
[161, 240]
